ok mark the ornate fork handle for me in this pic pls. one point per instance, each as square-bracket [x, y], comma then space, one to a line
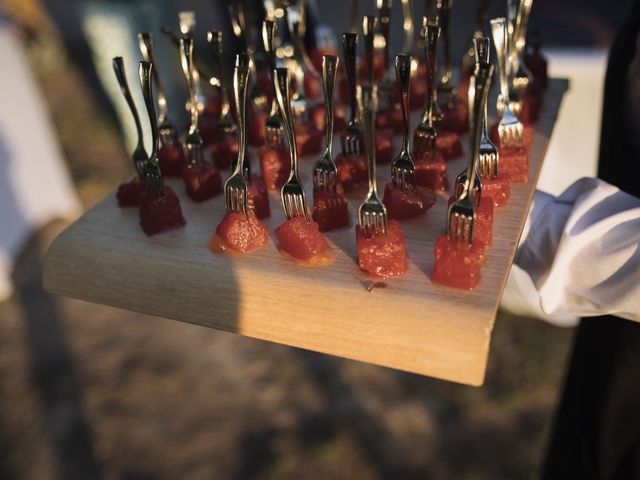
[240, 82]
[268, 40]
[214, 39]
[329, 70]
[368, 103]
[152, 178]
[146, 48]
[403, 75]
[118, 68]
[444, 12]
[350, 50]
[368, 29]
[281, 81]
[431, 33]
[499, 32]
[186, 61]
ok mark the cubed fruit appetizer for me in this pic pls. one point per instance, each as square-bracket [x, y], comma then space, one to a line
[276, 166]
[447, 144]
[403, 204]
[418, 92]
[378, 68]
[258, 197]
[224, 150]
[159, 214]
[171, 160]
[455, 118]
[239, 233]
[483, 220]
[497, 188]
[384, 145]
[308, 139]
[303, 242]
[312, 87]
[202, 180]
[527, 135]
[255, 129]
[352, 171]
[128, 193]
[382, 256]
[207, 126]
[319, 117]
[431, 172]
[457, 264]
[390, 119]
[514, 162]
[531, 104]
[330, 210]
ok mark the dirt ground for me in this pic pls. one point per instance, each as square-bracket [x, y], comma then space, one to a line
[88, 391]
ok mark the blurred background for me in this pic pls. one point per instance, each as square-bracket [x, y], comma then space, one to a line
[89, 392]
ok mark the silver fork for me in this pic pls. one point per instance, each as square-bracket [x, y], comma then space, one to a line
[297, 13]
[193, 140]
[243, 31]
[325, 171]
[152, 176]
[139, 156]
[425, 131]
[372, 214]
[468, 59]
[489, 157]
[299, 103]
[407, 24]
[369, 26]
[510, 129]
[487, 163]
[352, 134]
[187, 21]
[274, 131]
[522, 77]
[461, 213]
[292, 193]
[235, 188]
[447, 93]
[225, 124]
[403, 171]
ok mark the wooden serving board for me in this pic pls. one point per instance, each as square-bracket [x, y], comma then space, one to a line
[406, 323]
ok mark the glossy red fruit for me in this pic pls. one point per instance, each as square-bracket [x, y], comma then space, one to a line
[402, 204]
[383, 256]
[171, 160]
[258, 198]
[202, 180]
[514, 162]
[308, 139]
[319, 117]
[483, 220]
[224, 150]
[455, 119]
[312, 87]
[159, 214]
[384, 145]
[527, 135]
[448, 144]
[431, 172]
[301, 240]
[457, 265]
[239, 233]
[390, 119]
[207, 125]
[330, 210]
[352, 171]
[128, 193]
[497, 188]
[255, 129]
[276, 166]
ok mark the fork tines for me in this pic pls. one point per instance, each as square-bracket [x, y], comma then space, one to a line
[510, 129]
[373, 222]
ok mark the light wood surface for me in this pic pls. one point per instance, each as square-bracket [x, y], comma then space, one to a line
[410, 324]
